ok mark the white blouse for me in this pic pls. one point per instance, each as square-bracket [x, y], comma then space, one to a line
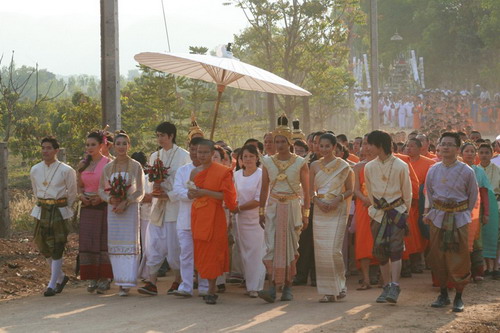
[248, 189]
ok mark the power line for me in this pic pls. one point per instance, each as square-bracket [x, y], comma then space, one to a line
[165, 23]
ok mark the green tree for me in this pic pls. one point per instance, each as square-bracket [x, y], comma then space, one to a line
[297, 40]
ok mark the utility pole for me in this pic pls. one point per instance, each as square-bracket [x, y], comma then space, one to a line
[374, 64]
[110, 66]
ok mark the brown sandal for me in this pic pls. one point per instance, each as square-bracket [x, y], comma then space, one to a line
[364, 286]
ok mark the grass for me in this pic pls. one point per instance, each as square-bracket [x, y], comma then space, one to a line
[21, 204]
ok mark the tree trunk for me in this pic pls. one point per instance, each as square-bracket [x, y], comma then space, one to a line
[306, 116]
[271, 111]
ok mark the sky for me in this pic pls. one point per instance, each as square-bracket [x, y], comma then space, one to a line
[63, 36]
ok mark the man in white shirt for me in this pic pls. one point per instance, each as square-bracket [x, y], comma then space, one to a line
[184, 234]
[389, 190]
[54, 185]
[161, 235]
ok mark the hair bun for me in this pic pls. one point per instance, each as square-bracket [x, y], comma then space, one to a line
[120, 132]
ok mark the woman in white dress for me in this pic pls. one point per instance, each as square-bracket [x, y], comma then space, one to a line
[123, 215]
[248, 181]
[332, 182]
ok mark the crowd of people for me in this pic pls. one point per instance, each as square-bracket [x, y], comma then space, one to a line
[435, 109]
[290, 210]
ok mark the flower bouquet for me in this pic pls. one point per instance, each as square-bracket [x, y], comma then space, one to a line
[118, 187]
[157, 173]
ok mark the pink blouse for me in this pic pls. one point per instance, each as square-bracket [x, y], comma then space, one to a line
[90, 179]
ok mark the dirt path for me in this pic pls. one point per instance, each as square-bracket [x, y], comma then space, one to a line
[76, 311]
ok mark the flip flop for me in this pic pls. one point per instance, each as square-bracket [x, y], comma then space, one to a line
[364, 286]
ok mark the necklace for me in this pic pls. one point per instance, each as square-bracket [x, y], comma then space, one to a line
[171, 157]
[119, 173]
[331, 169]
[50, 182]
[384, 177]
[282, 166]
[45, 183]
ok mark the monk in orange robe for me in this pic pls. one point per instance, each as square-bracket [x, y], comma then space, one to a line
[363, 239]
[213, 185]
[353, 158]
[411, 242]
[421, 165]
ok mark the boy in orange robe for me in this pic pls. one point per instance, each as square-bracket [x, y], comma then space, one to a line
[411, 240]
[214, 185]
[421, 165]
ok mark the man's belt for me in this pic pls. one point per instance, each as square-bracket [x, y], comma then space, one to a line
[391, 206]
[63, 202]
[284, 197]
[451, 207]
[327, 196]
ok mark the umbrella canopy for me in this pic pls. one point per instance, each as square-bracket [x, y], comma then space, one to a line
[221, 71]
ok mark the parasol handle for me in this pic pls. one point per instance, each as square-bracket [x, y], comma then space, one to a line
[220, 90]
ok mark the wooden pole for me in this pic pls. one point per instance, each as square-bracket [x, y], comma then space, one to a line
[220, 90]
[375, 121]
[110, 66]
[4, 192]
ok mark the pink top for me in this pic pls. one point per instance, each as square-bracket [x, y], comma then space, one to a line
[90, 179]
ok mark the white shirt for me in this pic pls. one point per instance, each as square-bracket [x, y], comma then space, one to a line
[248, 189]
[60, 182]
[174, 158]
[179, 194]
[496, 160]
[397, 184]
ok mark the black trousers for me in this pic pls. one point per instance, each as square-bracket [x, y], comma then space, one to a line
[305, 264]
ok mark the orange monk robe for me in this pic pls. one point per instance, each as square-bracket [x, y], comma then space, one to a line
[208, 221]
[429, 155]
[412, 243]
[421, 167]
[417, 111]
[353, 158]
[363, 238]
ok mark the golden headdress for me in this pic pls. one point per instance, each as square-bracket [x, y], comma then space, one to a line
[297, 133]
[283, 128]
[194, 130]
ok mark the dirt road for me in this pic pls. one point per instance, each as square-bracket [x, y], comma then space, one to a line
[76, 311]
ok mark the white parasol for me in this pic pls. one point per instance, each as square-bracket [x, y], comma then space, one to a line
[225, 71]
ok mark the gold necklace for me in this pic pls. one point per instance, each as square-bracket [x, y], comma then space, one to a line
[384, 177]
[329, 170]
[282, 166]
[45, 183]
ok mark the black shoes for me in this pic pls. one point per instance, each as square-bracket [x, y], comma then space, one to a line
[49, 292]
[393, 294]
[383, 296]
[458, 305]
[441, 302]
[210, 299]
[60, 286]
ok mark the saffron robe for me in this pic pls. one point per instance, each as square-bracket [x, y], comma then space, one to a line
[413, 242]
[208, 221]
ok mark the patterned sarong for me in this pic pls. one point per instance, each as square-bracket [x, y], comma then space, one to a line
[391, 219]
[93, 243]
[51, 230]
[450, 232]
